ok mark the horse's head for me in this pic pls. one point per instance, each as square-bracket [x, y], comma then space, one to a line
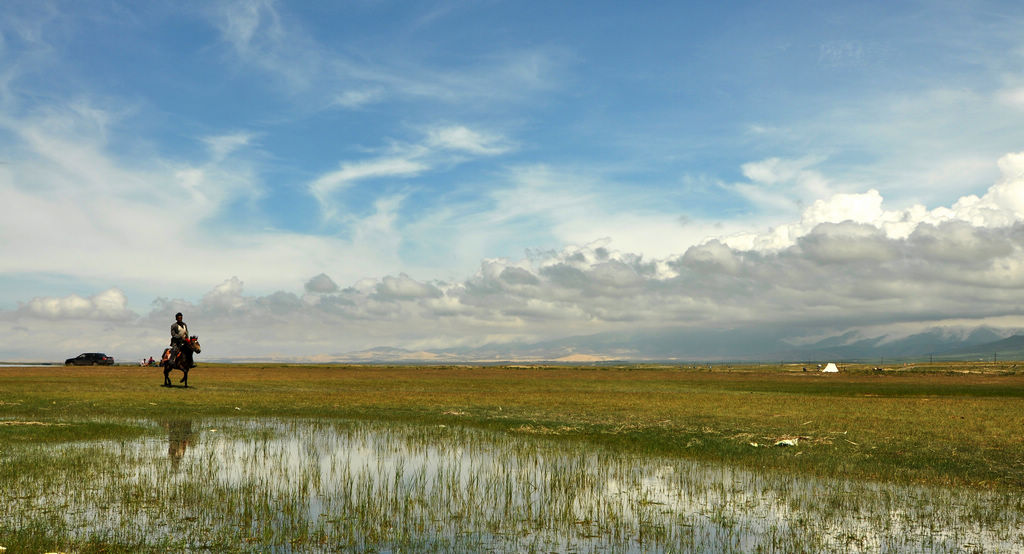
[194, 341]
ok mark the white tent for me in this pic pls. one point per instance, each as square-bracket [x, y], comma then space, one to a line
[830, 368]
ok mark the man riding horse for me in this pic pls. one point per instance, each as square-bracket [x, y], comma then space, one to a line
[179, 355]
[179, 338]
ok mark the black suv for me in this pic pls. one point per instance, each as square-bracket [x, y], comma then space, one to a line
[90, 358]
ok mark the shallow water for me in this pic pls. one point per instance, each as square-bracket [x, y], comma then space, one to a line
[300, 486]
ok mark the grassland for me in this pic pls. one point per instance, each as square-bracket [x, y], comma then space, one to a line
[958, 424]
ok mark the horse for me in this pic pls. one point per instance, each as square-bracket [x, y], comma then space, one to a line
[174, 358]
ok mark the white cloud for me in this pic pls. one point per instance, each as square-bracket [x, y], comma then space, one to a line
[154, 221]
[354, 99]
[351, 172]
[241, 20]
[840, 274]
[441, 147]
[226, 296]
[557, 206]
[97, 180]
[109, 305]
[1002, 205]
[404, 287]
[261, 35]
[926, 144]
[461, 138]
[268, 38]
[840, 53]
[849, 259]
[845, 264]
[1013, 97]
[224, 145]
[779, 185]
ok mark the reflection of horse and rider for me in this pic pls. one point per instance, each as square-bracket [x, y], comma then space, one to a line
[179, 355]
[179, 438]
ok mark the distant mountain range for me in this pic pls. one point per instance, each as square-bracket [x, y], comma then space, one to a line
[1010, 348]
[688, 345]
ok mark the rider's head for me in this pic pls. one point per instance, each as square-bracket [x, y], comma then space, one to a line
[177, 316]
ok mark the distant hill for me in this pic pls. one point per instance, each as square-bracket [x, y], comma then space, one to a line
[702, 345]
[1010, 348]
[930, 344]
[705, 345]
[683, 345]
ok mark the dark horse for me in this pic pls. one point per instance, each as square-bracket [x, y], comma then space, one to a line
[174, 358]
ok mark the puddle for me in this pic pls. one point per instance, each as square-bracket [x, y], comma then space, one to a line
[305, 486]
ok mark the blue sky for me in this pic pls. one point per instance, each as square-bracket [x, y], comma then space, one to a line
[342, 175]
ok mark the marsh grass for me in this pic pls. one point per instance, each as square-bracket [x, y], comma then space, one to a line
[948, 424]
[954, 428]
[28, 431]
[238, 485]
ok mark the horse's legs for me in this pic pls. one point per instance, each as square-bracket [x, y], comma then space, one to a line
[176, 362]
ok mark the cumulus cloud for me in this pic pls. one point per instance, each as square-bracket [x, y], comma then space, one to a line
[518, 276]
[847, 242]
[321, 284]
[1002, 205]
[849, 263]
[109, 305]
[226, 296]
[404, 287]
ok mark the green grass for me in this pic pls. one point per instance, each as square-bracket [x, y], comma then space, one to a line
[257, 485]
[935, 424]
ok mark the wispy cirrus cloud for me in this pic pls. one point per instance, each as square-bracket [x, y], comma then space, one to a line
[351, 172]
[358, 98]
[264, 36]
[221, 146]
[460, 138]
[441, 147]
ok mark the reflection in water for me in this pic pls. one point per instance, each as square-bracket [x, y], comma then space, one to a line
[300, 486]
[179, 437]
